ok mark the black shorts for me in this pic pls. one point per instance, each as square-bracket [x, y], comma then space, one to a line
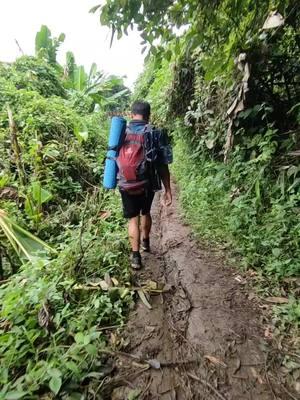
[134, 205]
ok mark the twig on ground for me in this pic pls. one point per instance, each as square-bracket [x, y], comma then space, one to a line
[213, 389]
[104, 328]
[155, 364]
[267, 377]
[146, 388]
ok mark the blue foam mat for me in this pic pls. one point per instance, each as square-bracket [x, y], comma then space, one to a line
[117, 129]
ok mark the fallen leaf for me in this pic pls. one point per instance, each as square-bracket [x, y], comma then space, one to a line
[115, 281]
[151, 285]
[104, 214]
[104, 285]
[251, 272]
[256, 375]
[215, 361]
[238, 366]
[140, 365]
[274, 20]
[239, 279]
[144, 299]
[277, 300]
[108, 279]
[44, 316]
[124, 293]
[113, 339]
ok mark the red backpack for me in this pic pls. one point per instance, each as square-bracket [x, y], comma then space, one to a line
[132, 176]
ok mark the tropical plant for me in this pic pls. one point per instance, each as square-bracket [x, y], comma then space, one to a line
[60, 233]
[223, 77]
[104, 90]
[45, 46]
[26, 245]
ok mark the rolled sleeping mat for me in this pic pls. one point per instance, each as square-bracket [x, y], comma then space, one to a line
[117, 131]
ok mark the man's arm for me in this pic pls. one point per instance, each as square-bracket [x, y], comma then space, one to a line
[164, 173]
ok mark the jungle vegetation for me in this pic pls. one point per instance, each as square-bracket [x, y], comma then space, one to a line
[223, 77]
[63, 264]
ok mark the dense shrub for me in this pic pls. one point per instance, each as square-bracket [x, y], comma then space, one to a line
[52, 310]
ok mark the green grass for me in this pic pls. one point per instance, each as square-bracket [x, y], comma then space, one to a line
[265, 238]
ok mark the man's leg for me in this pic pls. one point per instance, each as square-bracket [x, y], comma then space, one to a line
[134, 233]
[134, 238]
[131, 209]
[146, 224]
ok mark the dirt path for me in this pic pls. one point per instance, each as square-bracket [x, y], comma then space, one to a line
[204, 331]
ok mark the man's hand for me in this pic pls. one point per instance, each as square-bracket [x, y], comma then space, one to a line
[165, 177]
[167, 198]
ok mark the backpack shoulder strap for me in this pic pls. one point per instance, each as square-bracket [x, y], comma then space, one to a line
[149, 128]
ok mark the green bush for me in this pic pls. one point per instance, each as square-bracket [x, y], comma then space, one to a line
[52, 312]
[266, 235]
[50, 319]
[32, 73]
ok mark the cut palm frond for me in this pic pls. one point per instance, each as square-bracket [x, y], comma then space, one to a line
[24, 243]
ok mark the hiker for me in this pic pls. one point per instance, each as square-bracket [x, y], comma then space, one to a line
[143, 163]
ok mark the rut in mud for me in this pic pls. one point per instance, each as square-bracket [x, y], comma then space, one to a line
[204, 331]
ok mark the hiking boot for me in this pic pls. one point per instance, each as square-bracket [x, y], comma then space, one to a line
[136, 260]
[146, 245]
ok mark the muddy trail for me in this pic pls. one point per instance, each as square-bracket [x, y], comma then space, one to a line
[203, 336]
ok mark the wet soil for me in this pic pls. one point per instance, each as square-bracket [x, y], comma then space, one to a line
[203, 334]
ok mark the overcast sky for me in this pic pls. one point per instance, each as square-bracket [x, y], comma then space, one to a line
[85, 37]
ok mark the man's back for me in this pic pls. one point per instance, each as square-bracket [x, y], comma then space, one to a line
[143, 162]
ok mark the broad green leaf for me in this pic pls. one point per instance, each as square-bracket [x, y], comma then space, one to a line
[80, 78]
[86, 339]
[93, 72]
[54, 372]
[42, 39]
[276, 252]
[55, 384]
[91, 349]
[29, 207]
[14, 395]
[72, 367]
[81, 133]
[79, 338]
[39, 194]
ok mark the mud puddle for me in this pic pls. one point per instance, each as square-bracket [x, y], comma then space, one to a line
[203, 335]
